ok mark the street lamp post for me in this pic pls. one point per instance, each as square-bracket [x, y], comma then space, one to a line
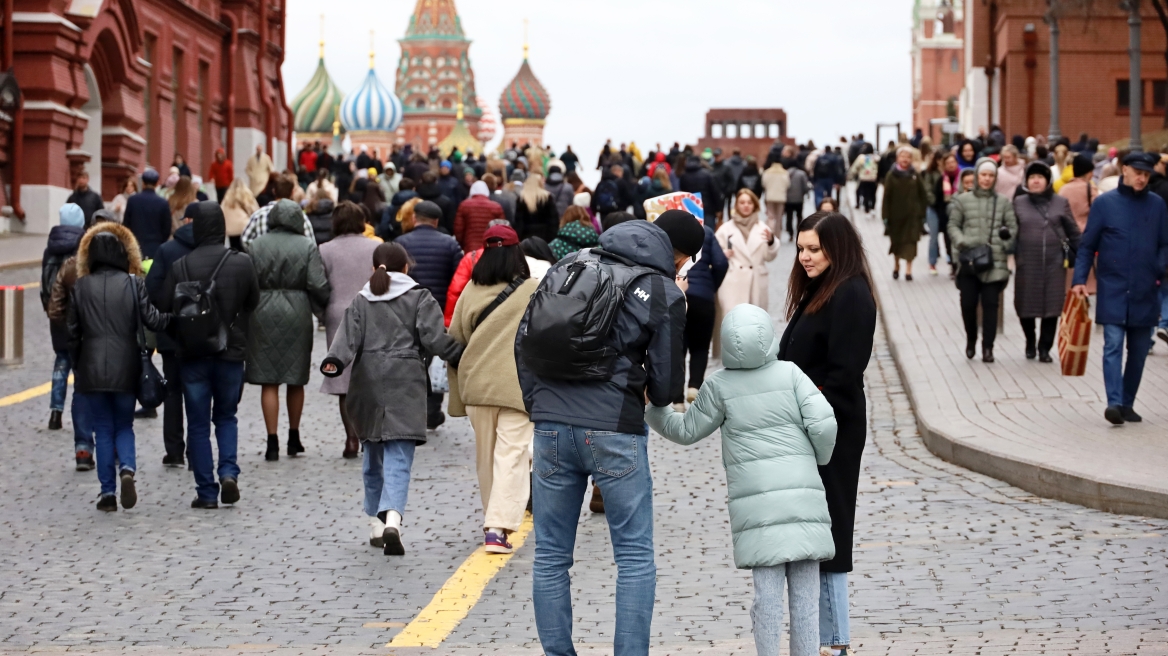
[1052, 20]
[1135, 84]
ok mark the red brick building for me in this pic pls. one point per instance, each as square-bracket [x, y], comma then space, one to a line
[1008, 68]
[937, 61]
[752, 131]
[113, 86]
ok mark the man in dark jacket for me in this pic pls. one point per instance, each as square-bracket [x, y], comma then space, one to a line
[212, 385]
[87, 199]
[704, 277]
[605, 420]
[448, 181]
[390, 229]
[148, 215]
[172, 408]
[60, 256]
[1128, 229]
[570, 160]
[697, 180]
[436, 257]
[429, 190]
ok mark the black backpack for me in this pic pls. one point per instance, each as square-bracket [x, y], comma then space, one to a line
[198, 327]
[607, 194]
[571, 314]
[824, 167]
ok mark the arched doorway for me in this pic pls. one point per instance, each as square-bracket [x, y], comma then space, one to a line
[91, 142]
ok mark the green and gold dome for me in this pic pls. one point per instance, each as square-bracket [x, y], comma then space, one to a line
[314, 110]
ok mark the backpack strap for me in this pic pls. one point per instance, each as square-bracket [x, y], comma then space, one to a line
[215, 273]
[499, 300]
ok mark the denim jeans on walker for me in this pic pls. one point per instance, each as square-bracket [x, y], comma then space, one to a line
[61, 367]
[766, 614]
[934, 224]
[1164, 304]
[1122, 382]
[386, 471]
[833, 609]
[82, 428]
[565, 456]
[211, 388]
[112, 414]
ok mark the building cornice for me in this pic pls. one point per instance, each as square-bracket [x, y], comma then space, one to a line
[43, 17]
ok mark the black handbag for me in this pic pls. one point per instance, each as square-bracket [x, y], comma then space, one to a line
[980, 259]
[151, 391]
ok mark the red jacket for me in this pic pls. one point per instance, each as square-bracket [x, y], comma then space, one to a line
[222, 173]
[459, 282]
[471, 220]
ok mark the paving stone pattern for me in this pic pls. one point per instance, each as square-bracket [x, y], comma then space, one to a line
[949, 562]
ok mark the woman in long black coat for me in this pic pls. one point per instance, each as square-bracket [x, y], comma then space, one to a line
[832, 320]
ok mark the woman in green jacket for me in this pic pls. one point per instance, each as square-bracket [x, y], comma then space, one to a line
[905, 200]
[977, 218]
[777, 427]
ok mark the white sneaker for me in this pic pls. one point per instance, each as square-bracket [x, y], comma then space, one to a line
[691, 394]
[375, 539]
[1162, 333]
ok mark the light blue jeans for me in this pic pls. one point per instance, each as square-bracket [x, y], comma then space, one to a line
[565, 456]
[387, 475]
[934, 224]
[767, 612]
[1122, 382]
[833, 609]
[1164, 304]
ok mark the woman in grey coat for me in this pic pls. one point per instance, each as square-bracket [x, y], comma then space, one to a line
[389, 329]
[1047, 236]
[346, 258]
[279, 338]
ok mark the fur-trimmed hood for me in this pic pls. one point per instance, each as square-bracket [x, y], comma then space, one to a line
[123, 234]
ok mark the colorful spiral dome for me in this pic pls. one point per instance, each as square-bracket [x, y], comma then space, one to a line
[314, 108]
[371, 107]
[524, 97]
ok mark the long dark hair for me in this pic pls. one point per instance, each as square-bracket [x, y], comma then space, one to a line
[845, 252]
[499, 264]
[387, 257]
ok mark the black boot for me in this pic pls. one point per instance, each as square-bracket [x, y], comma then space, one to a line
[294, 446]
[273, 452]
[55, 420]
[971, 348]
[987, 354]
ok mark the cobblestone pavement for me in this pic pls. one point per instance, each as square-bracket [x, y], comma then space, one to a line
[948, 562]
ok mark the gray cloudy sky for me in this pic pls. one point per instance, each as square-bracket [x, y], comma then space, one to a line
[647, 70]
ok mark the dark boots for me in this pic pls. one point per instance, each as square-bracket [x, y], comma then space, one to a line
[55, 420]
[273, 452]
[294, 446]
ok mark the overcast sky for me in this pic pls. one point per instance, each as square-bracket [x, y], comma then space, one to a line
[647, 70]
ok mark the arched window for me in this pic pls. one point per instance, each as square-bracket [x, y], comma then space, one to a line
[420, 104]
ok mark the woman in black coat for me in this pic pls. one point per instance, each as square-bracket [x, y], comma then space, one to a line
[109, 302]
[832, 320]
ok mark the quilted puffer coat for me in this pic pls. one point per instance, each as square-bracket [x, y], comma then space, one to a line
[776, 428]
[975, 218]
[293, 287]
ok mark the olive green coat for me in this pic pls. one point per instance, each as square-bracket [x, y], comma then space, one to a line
[905, 200]
[976, 218]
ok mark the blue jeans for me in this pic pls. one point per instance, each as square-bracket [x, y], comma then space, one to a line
[82, 430]
[1164, 304]
[565, 456]
[1121, 382]
[823, 188]
[112, 414]
[934, 224]
[386, 471]
[61, 367]
[211, 388]
[766, 615]
[833, 609]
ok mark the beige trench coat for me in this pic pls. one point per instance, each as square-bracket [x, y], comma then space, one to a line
[746, 280]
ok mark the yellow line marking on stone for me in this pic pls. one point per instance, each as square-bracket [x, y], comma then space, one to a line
[30, 285]
[30, 393]
[454, 601]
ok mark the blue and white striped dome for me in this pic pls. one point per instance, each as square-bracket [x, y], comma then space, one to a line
[371, 107]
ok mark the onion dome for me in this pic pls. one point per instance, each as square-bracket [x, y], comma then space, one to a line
[435, 19]
[524, 97]
[372, 106]
[314, 108]
[489, 122]
[460, 137]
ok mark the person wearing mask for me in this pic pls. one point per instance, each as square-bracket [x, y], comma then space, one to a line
[173, 437]
[87, 199]
[58, 275]
[776, 181]
[212, 383]
[831, 324]
[905, 200]
[1011, 173]
[436, 257]
[1047, 236]
[293, 288]
[776, 426]
[704, 279]
[474, 215]
[106, 315]
[945, 188]
[346, 259]
[485, 386]
[977, 219]
[258, 223]
[430, 191]
[148, 215]
[319, 212]
[697, 180]
[221, 174]
[748, 246]
[535, 212]
[1129, 232]
[605, 416]
[258, 170]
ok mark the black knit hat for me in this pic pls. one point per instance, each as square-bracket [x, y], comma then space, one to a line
[684, 230]
[428, 209]
[1082, 165]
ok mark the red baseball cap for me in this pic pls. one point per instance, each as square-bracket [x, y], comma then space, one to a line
[500, 235]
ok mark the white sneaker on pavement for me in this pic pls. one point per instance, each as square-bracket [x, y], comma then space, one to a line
[375, 536]
[1162, 333]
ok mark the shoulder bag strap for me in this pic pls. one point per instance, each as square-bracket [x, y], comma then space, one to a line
[503, 296]
[215, 273]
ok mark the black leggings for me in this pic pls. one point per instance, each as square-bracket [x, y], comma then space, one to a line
[1045, 336]
[866, 192]
[699, 330]
[989, 295]
[794, 217]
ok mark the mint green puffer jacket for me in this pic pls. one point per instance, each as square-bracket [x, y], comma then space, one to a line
[776, 427]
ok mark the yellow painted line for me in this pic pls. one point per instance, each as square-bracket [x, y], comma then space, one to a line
[454, 601]
[30, 285]
[30, 393]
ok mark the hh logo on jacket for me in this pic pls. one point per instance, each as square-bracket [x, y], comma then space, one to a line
[641, 294]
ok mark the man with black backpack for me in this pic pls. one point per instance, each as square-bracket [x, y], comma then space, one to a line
[211, 282]
[603, 334]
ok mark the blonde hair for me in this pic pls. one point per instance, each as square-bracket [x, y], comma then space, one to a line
[239, 196]
[533, 192]
[184, 194]
[661, 176]
[405, 215]
[576, 214]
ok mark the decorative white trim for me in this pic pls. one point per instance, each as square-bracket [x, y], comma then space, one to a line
[43, 17]
[119, 131]
[54, 107]
[6, 117]
[145, 63]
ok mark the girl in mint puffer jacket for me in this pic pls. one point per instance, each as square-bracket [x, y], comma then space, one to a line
[776, 428]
